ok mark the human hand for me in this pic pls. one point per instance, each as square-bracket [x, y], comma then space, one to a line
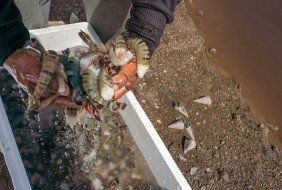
[133, 56]
[25, 66]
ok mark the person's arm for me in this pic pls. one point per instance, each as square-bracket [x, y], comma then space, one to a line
[148, 20]
[13, 33]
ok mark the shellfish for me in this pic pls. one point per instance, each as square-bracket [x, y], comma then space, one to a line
[49, 64]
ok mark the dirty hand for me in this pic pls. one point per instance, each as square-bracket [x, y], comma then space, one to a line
[25, 66]
[133, 56]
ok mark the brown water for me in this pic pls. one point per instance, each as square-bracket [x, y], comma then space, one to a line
[248, 42]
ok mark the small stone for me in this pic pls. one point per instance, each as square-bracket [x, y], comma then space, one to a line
[208, 170]
[159, 121]
[200, 13]
[203, 188]
[73, 18]
[212, 50]
[165, 71]
[194, 170]
[143, 101]
[156, 106]
[182, 158]
[225, 177]
[204, 122]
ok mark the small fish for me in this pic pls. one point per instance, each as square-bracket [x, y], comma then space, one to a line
[178, 124]
[190, 132]
[180, 107]
[204, 100]
[188, 144]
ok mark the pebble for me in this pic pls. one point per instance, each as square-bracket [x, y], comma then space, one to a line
[203, 188]
[225, 177]
[159, 121]
[200, 13]
[143, 101]
[208, 170]
[182, 158]
[212, 50]
[194, 170]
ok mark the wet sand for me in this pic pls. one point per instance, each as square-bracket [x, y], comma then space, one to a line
[247, 38]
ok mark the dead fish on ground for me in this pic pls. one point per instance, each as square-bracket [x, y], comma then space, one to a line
[188, 144]
[180, 107]
[204, 100]
[179, 124]
[182, 124]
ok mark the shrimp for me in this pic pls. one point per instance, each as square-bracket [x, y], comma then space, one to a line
[49, 64]
[72, 70]
[90, 85]
[141, 50]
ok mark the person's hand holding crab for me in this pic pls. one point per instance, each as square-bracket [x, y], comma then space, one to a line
[129, 55]
[131, 51]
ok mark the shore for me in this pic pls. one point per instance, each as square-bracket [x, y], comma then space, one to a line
[246, 35]
[232, 150]
[232, 147]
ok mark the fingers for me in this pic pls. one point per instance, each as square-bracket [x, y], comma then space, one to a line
[123, 90]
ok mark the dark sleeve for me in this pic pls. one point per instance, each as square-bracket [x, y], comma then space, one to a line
[13, 33]
[148, 19]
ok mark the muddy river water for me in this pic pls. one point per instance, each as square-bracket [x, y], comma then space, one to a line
[247, 39]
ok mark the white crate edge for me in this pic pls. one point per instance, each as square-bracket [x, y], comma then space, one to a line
[150, 144]
[11, 153]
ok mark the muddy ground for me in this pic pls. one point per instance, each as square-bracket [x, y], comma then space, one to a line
[232, 149]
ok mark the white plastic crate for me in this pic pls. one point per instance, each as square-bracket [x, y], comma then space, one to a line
[147, 139]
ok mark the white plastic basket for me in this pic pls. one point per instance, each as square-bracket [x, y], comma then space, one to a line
[147, 139]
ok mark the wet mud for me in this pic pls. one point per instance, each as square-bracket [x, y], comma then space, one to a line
[247, 37]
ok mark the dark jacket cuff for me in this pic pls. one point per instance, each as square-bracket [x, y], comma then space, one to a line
[147, 24]
[13, 38]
